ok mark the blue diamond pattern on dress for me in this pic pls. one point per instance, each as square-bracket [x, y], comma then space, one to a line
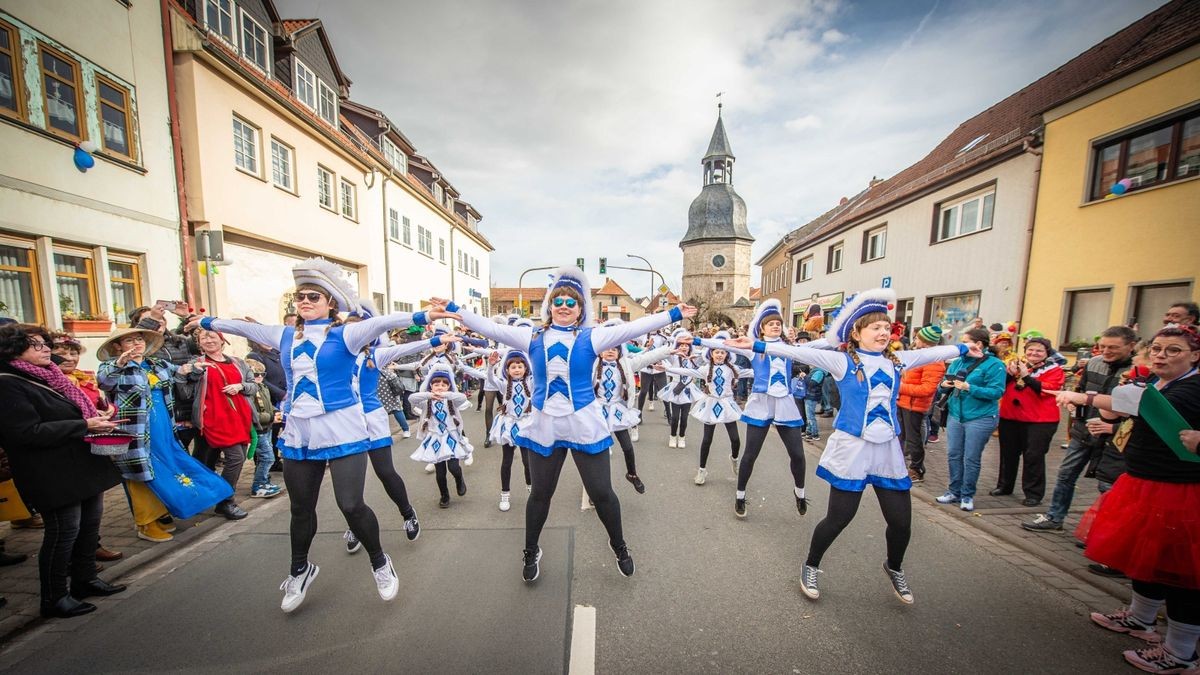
[559, 386]
[519, 398]
[717, 409]
[608, 384]
[437, 445]
[305, 348]
[879, 413]
[306, 386]
[618, 415]
[881, 377]
[452, 443]
[559, 351]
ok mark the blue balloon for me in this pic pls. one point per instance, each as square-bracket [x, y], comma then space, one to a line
[83, 161]
[1118, 189]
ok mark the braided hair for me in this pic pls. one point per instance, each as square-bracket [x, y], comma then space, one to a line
[509, 387]
[620, 369]
[851, 347]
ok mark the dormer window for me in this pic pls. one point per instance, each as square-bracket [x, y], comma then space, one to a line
[395, 156]
[327, 103]
[218, 16]
[437, 192]
[306, 85]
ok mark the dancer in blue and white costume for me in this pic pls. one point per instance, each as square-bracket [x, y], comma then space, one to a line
[717, 405]
[324, 420]
[513, 380]
[439, 406]
[863, 450]
[680, 392]
[567, 416]
[770, 405]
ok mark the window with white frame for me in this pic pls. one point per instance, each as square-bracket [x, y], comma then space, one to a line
[395, 156]
[254, 43]
[835, 257]
[306, 85]
[282, 166]
[874, 243]
[475, 268]
[442, 249]
[393, 224]
[349, 200]
[424, 241]
[398, 306]
[965, 216]
[218, 16]
[406, 231]
[325, 188]
[327, 105]
[437, 192]
[804, 271]
[245, 145]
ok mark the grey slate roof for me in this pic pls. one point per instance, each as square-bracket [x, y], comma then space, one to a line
[717, 213]
[719, 145]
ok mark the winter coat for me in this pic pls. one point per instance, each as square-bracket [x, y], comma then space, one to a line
[987, 387]
[918, 386]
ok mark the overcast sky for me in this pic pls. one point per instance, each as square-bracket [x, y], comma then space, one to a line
[577, 127]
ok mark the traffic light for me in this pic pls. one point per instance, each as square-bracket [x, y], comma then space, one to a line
[604, 266]
[579, 263]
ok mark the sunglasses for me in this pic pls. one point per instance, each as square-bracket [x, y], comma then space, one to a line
[569, 302]
[310, 296]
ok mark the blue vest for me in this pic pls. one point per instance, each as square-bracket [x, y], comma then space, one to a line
[368, 384]
[853, 417]
[761, 363]
[581, 359]
[334, 369]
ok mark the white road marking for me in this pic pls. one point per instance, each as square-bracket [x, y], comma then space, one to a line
[583, 641]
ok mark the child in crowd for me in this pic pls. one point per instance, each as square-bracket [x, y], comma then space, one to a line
[440, 429]
[263, 417]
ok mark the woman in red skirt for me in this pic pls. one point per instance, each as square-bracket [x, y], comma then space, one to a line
[1148, 524]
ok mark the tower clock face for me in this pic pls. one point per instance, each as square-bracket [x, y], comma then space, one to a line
[718, 260]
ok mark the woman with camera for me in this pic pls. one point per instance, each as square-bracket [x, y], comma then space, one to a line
[1028, 420]
[974, 387]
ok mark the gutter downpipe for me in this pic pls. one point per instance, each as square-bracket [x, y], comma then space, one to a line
[387, 247]
[189, 285]
[1037, 173]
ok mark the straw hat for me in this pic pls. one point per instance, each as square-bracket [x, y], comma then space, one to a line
[109, 350]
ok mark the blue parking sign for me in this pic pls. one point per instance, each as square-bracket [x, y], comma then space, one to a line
[887, 282]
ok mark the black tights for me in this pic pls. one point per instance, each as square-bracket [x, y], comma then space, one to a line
[506, 466]
[896, 506]
[393, 484]
[626, 443]
[455, 470]
[792, 442]
[1183, 604]
[593, 471]
[650, 386]
[735, 441]
[303, 479]
[677, 415]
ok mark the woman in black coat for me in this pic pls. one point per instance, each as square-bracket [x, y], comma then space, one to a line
[43, 420]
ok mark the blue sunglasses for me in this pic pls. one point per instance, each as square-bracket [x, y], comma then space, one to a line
[569, 302]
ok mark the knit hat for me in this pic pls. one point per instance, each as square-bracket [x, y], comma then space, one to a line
[930, 335]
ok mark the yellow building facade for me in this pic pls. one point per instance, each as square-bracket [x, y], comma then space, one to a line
[1100, 260]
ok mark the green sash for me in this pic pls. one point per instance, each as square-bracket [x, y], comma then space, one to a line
[1162, 417]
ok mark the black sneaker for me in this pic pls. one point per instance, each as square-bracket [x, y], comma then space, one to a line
[1105, 571]
[899, 584]
[1043, 523]
[802, 505]
[637, 483]
[353, 545]
[533, 556]
[739, 508]
[444, 502]
[461, 487]
[412, 528]
[624, 560]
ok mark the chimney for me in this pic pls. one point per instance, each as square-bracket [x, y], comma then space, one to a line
[875, 180]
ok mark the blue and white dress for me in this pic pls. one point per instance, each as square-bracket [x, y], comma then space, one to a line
[681, 389]
[615, 386]
[323, 413]
[440, 427]
[717, 404]
[864, 448]
[366, 382]
[770, 400]
[566, 412]
[516, 403]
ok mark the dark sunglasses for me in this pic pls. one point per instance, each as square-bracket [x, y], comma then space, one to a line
[569, 302]
[311, 296]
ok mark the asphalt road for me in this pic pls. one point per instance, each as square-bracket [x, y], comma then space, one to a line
[711, 594]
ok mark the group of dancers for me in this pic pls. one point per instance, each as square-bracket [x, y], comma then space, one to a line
[566, 386]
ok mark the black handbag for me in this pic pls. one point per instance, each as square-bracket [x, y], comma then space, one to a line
[940, 410]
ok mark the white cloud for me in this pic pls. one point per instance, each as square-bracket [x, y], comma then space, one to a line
[833, 36]
[809, 121]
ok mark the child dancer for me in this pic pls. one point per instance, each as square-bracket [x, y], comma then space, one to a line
[717, 404]
[440, 429]
[863, 450]
[567, 416]
[680, 392]
[324, 424]
[512, 381]
[770, 403]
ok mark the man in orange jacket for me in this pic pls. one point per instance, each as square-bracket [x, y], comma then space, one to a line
[917, 390]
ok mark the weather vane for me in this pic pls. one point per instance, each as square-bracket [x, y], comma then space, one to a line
[719, 94]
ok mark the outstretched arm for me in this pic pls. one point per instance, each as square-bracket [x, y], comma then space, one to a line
[718, 344]
[386, 355]
[607, 337]
[517, 337]
[255, 332]
[834, 362]
[920, 357]
[643, 359]
[360, 334]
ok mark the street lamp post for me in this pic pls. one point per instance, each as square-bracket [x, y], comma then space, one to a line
[521, 284]
[652, 272]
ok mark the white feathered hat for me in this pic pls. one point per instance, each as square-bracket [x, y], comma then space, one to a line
[327, 276]
[767, 309]
[523, 322]
[574, 278]
[855, 307]
[366, 310]
[439, 370]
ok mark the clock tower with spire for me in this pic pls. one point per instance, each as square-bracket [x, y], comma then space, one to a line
[716, 248]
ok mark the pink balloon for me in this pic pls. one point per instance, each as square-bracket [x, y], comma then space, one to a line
[1128, 183]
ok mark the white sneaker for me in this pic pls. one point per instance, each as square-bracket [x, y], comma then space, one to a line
[294, 588]
[504, 501]
[967, 504]
[386, 581]
[586, 504]
[948, 498]
[469, 460]
[682, 442]
[701, 474]
[429, 468]
[673, 442]
[408, 434]
[633, 434]
[528, 489]
[733, 464]
[651, 405]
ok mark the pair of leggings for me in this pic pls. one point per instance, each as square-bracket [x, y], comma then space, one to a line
[232, 460]
[912, 423]
[489, 408]
[597, 482]
[896, 506]
[793, 442]
[69, 546]
[1024, 445]
[626, 443]
[455, 470]
[650, 385]
[1183, 604]
[506, 466]
[735, 441]
[303, 479]
[393, 484]
[677, 417]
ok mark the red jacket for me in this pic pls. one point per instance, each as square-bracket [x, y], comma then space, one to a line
[918, 386]
[1028, 404]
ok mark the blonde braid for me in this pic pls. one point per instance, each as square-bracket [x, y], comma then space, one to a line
[852, 351]
[893, 358]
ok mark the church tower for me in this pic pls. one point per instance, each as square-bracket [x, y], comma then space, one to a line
[716, 248]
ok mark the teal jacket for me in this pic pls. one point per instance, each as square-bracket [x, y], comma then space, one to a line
[987, 388]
